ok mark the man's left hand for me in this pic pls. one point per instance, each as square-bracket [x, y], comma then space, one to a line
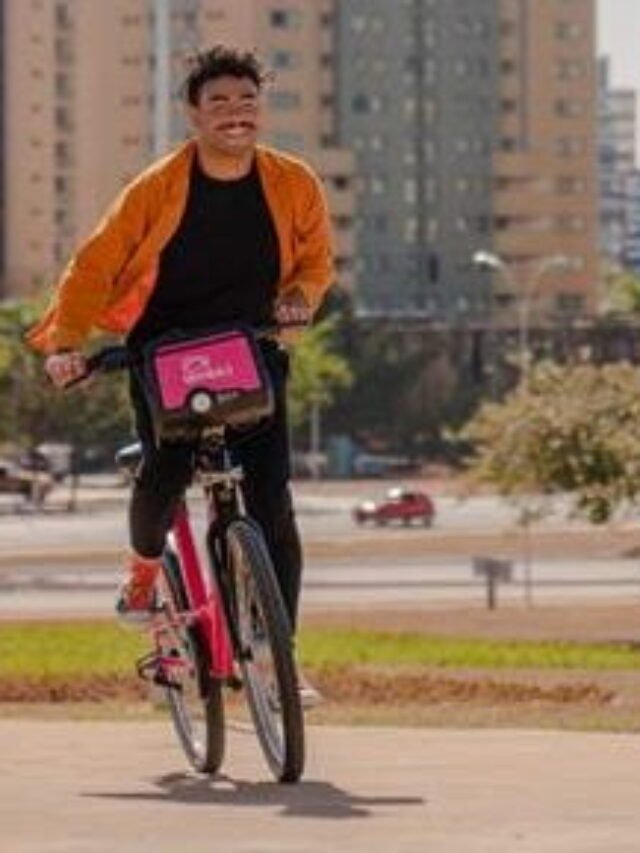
[293, 310]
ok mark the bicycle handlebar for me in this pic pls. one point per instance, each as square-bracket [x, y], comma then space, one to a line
[112, 359]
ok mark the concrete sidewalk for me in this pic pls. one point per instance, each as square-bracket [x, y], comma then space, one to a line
[96, 787]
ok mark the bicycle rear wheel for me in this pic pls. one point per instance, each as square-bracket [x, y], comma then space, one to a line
[194, 697]
[266, 652]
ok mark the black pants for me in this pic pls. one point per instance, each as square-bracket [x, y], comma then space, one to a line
[166, 469]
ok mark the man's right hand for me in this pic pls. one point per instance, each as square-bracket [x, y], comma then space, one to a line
[64, 367]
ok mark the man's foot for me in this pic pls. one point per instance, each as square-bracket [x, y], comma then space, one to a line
[136, 600]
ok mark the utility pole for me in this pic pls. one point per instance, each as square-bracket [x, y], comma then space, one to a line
[161, 77]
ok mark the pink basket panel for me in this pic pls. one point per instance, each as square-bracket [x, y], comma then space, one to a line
[225, 363]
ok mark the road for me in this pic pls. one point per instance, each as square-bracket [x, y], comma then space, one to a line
[95, 787]
[69, 563]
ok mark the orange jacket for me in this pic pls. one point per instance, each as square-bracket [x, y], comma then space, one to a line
[108, 282]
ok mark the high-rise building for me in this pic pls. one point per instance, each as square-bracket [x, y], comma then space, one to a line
[76, 123]
[545, 169]
[473, 127]
[92, 96]
[417, 102]
[617, 163]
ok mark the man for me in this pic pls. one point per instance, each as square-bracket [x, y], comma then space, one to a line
[221, 230]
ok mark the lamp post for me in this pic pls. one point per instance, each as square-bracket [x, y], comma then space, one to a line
[490, 261]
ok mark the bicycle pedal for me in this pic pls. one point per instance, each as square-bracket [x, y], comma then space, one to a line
[161, 680]
[234, 682]
[147, 666]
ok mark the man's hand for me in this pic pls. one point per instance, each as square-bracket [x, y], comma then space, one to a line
[63, 367]
[292, 309]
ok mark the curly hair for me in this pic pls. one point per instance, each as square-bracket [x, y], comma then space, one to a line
[220, 61]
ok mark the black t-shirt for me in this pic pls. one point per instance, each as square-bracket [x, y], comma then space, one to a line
[221, 265]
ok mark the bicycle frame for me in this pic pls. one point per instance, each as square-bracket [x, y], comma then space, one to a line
[204, 599]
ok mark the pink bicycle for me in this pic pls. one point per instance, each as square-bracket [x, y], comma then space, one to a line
[222, 624]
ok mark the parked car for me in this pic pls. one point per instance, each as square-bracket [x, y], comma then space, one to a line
[33, 486]
[402, 505]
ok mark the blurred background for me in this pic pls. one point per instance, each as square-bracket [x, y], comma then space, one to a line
[479, 158]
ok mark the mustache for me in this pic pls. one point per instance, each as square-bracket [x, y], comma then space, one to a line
[229, 125]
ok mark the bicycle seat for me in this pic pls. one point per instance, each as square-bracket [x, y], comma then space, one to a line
[129, 458]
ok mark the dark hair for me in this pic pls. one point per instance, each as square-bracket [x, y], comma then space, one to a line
[220, 61]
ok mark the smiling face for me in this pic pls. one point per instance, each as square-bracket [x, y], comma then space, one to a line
[226, 116]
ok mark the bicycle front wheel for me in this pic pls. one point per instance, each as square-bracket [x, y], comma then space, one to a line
[266, 652]
[194, 697]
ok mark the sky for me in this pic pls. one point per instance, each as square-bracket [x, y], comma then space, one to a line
[619, 36]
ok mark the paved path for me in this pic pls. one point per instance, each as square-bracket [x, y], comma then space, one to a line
[96, 787]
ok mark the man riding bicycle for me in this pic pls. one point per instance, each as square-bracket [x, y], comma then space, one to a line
[220, 231]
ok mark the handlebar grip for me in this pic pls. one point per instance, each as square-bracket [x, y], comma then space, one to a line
[108, 360]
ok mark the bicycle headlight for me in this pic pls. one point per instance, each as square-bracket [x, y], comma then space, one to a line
[201, 403]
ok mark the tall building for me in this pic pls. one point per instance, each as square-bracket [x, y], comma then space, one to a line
[76, 124]
[617, 163]
[418, 103]
[631, 249]
[545, 172]
[92, 96]
[473, 127]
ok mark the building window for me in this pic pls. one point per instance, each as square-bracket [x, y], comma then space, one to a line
[285, 19]
[360, 103]
[288, 140]
[569, 107]
[569, 146]
[285, 100]
[283, 59]
[569, 30]
[570, 185]
[410, 191]
[569, 69]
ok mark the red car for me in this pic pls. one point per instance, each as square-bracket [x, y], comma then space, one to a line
[403, 505]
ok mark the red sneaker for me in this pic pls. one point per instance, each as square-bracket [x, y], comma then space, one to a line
[136, 599]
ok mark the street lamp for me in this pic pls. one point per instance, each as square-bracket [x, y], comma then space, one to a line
[490, 261]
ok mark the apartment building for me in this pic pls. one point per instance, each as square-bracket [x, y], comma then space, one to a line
[617, 164]
[473, 124]
[545, 165]
[92, 96]
[417, 102]
[76, 124]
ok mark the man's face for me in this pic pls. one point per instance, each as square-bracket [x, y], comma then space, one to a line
[227, 114]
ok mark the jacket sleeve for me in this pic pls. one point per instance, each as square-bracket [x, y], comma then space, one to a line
[313, 272]
[87, 282]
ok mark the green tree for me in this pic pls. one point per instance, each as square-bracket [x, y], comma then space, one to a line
[318, 373]
[31, 411]
[574, 430]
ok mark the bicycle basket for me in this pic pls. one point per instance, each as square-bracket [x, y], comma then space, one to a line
[213, 380]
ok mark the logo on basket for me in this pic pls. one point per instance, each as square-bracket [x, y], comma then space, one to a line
[198, 368]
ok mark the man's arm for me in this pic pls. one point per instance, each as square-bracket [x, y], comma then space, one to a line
[86, 284]
[313, 271]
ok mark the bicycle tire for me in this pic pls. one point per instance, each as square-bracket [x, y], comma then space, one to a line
[275, 707]
[196, 704]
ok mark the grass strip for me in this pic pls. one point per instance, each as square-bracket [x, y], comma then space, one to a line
[60, 649]
[320, 648]
[101, 648]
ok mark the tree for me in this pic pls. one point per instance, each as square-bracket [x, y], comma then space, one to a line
[318, 373]
[31, 411]
[574, 430]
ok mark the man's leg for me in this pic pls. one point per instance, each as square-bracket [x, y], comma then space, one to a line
[158, 487]
[265, 460]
